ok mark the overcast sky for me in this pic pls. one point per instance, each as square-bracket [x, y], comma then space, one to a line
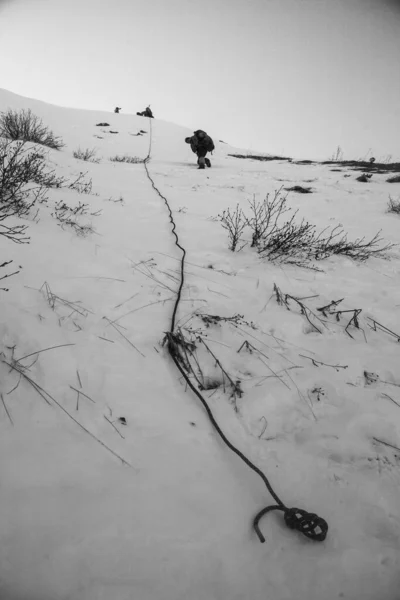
[298, 77]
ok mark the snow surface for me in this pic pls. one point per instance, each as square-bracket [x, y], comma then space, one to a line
[176, 522]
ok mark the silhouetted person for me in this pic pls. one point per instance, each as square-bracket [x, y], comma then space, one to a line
[201, 143]
[146, 113]
[117, 109]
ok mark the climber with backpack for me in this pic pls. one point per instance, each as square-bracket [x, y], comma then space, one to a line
[146, 113]
[201, 143]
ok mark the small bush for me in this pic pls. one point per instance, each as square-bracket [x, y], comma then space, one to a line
[119, 200]
[394, 205]
[338, 155]
[234, 222]
[141, 132]
[68, 216]
[359, 249]
[275, 240]
[299, 189]
[264, 214]
[284, 240]
[266, 157]
[80, 209]
[5, 264]
[364, 178]
[26, 126]
[394, 179]
[291, 243]
[80, 185]
[23, 177]
[16, 233]
[88, 155]
[133, 160]
[24, 180]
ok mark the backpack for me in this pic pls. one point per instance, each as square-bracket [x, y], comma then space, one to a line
[210, 144]
[204, 140]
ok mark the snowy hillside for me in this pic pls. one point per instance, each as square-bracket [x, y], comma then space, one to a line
[113, 482]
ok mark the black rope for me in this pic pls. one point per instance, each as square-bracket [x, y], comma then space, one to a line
[309, 524]
[182, 274]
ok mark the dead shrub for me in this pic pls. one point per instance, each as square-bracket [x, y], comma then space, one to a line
[394, 206]
[280, 238]
[24, 125]
[88, 155]
[132, 160]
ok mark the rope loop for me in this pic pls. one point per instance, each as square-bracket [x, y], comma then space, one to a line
[309, 524]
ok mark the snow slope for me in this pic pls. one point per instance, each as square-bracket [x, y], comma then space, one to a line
[175, 522]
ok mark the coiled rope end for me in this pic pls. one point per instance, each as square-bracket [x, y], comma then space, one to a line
[309, 524]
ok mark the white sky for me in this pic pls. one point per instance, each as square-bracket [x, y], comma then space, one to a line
[296, 76]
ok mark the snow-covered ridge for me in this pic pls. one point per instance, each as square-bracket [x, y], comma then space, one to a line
[319, 413]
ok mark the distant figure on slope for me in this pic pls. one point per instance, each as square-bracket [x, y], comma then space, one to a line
[117, 109]
[146, 113]
[201, 143]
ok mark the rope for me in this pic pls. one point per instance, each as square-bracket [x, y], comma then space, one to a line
[309, 524]
[171, 218]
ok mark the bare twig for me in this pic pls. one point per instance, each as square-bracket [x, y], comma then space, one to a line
[125, 301]
[316, 363]
[124, 336]
[9, 274]
[216, 319]
[353, 321]
[390, 398]
[386, 444]
[306, 311]
[250, 348]
[27, 367]
[283, 299]
[301, 395]
[53, 298]
[265, 427]
[98, 277]
[280, 297]
[375, 325]
[235, 385]
[6, 409]
[150, 276]
[112, 425]
[15, 386]
[80, 392]
[188, 348]
[328, 308]
[43, 394]
[37, 387]
[140, 308]
[44, 350]
[270, 347]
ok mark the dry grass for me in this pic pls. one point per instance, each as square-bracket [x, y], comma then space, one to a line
[132, 160]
